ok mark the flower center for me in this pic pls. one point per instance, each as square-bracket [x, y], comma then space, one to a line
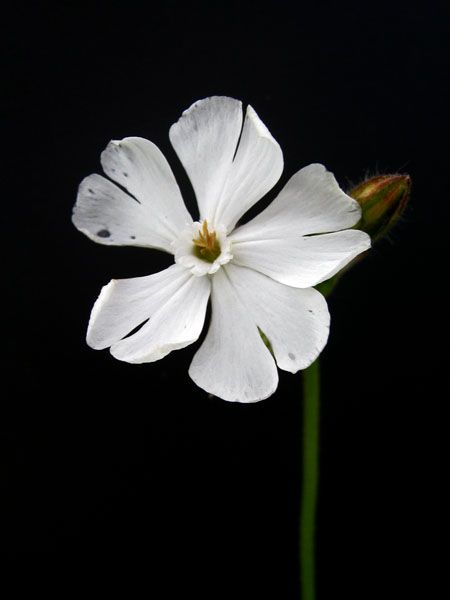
[206, 245]
[201, 251]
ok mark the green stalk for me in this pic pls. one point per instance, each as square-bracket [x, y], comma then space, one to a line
[311, 396]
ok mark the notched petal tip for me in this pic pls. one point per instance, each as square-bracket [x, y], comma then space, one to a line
[260, 127]
[156, 352]
[319, 171]
[95, 337]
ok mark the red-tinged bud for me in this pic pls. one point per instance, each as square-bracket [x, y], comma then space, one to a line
[382, 199]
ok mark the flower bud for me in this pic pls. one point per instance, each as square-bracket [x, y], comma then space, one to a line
[382, 199]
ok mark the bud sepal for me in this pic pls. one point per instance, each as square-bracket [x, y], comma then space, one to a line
[382, 199]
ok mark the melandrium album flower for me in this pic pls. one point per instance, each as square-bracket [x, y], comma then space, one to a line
[259, 276]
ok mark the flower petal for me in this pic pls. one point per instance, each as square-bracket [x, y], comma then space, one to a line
[108, 215]
[174, 301]
[205, 139]
[295, 321]
[274, 242]
[256, 168]
[301, 262]
[141, 168]
[310, 202]
[233, 362]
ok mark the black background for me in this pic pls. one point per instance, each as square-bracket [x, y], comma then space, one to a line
[131, 467]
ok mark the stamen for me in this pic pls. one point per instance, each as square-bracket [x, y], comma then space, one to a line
[207, 246]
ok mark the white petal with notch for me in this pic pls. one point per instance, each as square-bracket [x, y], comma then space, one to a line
[205, 139]
[151, 214]
[311, 202]
[295, 321]
[301, 262]
[233, 362]
[256, 168]
[174, 301]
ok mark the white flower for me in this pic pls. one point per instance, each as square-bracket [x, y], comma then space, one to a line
[259, 275]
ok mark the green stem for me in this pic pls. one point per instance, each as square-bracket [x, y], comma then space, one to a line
[311, 395]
